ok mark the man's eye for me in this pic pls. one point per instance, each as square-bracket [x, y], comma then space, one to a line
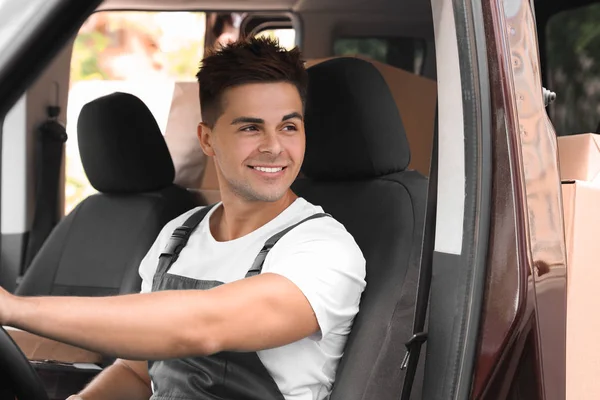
[290, 128]
[250, 128]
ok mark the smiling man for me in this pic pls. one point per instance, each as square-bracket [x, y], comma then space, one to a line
[252, 298]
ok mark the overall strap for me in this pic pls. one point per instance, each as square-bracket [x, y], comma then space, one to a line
[179, 239]
[257, 265]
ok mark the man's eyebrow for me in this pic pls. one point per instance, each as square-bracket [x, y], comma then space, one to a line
[247, 120]
[291, 115]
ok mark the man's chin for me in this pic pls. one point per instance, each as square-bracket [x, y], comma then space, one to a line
[260, 192]
[268, 196]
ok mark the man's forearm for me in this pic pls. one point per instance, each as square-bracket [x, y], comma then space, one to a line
[117, 382]
[136, 327]
[252, 314]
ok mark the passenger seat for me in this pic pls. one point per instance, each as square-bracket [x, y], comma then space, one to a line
[355, 167]
[97, 248]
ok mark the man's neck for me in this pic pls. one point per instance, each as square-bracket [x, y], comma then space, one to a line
[237, 218]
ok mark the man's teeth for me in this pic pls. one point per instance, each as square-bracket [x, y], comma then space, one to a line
[264, 169]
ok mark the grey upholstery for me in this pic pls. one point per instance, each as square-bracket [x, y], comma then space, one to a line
[97, 248]
[356, 156]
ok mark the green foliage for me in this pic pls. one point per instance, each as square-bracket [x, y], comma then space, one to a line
[86, 51]
[402, 52]
[183, 64]
[372, 48]
[573, 65]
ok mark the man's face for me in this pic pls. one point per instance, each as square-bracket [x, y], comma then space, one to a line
[258, 141]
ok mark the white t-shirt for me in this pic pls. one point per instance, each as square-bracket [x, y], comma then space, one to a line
[319, 256]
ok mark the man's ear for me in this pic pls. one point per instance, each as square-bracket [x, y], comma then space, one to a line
[205, 135]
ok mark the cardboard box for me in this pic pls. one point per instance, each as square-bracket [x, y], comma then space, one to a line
[181, 135]
[582, 230]
[37, 348]
[579, 157]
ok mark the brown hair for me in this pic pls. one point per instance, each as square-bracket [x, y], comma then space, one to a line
[254, 60]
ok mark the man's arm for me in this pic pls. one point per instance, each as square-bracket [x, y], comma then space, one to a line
[257, 313]
[124, 380]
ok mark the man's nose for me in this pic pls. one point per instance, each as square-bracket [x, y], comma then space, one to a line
[270, 143]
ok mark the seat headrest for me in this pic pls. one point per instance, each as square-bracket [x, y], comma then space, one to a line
[353, 127]
[121, 147]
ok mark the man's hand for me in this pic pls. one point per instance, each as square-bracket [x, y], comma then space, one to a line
[124, 380]
[6, 300]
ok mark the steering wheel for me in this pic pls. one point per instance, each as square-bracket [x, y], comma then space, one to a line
[17, 373]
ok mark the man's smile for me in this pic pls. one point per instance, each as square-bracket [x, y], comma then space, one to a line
[268, 171]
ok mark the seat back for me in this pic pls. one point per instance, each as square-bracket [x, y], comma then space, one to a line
[96, 249]
[355, 168]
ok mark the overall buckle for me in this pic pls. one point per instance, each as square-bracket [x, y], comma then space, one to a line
[176, 242]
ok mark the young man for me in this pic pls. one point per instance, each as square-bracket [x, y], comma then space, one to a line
[219, 319]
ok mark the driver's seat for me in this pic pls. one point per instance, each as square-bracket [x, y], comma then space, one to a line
[96, 249]
[355, 168]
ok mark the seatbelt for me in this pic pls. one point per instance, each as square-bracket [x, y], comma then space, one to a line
[413, 346]
[50, 139]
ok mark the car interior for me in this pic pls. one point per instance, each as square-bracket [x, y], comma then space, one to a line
[374, 183]
[373, 69]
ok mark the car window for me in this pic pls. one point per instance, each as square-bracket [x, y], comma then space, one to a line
[286, 37]
[573, 69]
[143, 53]
[402, 52]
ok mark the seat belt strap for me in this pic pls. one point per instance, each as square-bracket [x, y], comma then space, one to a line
[414, 344]
[257, 265]
[51, 136]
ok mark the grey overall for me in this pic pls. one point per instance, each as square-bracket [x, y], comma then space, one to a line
[221, 376]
